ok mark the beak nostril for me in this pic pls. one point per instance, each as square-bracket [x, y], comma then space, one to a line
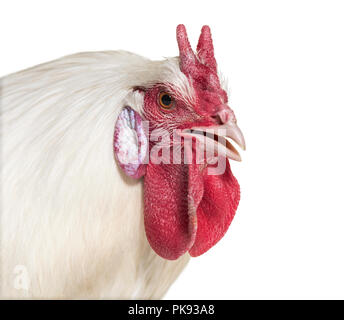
[226, 115]
[217, 119]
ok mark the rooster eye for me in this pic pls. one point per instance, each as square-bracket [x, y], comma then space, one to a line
[165, 100]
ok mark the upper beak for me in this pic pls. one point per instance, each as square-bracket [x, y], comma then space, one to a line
[234, 132]
[220, 136]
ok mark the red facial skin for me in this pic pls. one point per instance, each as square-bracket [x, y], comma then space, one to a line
[185, 209]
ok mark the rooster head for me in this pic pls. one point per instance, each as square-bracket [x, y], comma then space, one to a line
[188, 204]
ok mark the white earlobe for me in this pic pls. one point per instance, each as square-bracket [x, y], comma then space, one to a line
[131, 143]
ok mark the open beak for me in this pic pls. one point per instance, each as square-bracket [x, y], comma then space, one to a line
[218, 139]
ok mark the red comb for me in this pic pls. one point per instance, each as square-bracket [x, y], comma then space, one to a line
[187, 56]
[205, 50]
[202, 68]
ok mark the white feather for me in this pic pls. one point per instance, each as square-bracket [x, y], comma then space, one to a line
[70, 218]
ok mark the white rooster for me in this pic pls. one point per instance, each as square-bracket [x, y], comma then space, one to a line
[80, 222]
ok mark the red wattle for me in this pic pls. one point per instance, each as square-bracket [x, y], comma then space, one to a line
[186, 209]
[172, 193]
[216, 210]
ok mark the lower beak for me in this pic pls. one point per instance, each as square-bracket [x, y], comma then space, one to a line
[219, 138]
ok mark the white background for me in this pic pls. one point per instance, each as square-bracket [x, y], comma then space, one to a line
[285, 65]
